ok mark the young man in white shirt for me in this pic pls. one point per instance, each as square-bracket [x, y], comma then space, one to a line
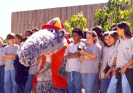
[74, 79]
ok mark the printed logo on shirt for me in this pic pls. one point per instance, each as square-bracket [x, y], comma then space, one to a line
[127, 48]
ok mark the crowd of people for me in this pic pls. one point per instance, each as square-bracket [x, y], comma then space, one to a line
[97, 61]
[104, 61]
[9, 75]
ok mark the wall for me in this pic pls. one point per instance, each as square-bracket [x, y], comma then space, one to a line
[21, 21]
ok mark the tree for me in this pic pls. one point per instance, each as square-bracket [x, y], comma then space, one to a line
[76, 21]
[4, 40]
[1, 38]
[114, 9]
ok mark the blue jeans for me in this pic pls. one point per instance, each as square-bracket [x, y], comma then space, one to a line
[74, 82]
[28, 85]
[113, 83]
[2, 73]
[20, 88]
[96, 85]
[88, 82]
[10, 83]
[105, 83]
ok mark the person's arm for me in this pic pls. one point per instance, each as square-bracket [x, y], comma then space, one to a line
[72, 55]
[114, 62]
[96, 52]
[107, 75]
[38, 61]
[101, 65]
[5, 58]
[107, 64]
[10, 56]
[88, 58]
[81, 58]
[122, 71]
[67, 55]
[111, 69]
[116, 52]
[92, 56]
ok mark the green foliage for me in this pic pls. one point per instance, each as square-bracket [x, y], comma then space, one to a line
[4, 40]
[1, 38]
[116, 10]
[101, 18]
[76, 21]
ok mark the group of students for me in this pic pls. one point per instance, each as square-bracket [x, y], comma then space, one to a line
[8, 71]
[105, 57]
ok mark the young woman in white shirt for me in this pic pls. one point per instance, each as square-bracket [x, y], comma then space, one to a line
[122, 81]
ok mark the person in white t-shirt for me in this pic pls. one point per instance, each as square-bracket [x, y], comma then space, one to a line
[74, 79]
[122, 81]
[107, 57]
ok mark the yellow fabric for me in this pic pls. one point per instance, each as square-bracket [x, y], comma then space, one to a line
[58, 24]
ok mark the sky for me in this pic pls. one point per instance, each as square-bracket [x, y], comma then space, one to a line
[9, 6]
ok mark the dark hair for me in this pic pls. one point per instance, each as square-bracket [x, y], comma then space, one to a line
[115, 29]
[19, 36]
[24, 39]
[35, 29]
[115, 35]
[99, 32]
[104, 35]
[68, 34]
[124, 25]
[78, 31]
[10, 36]
[114, 25]
[93, 34]
[84, 35]
[30, 31]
